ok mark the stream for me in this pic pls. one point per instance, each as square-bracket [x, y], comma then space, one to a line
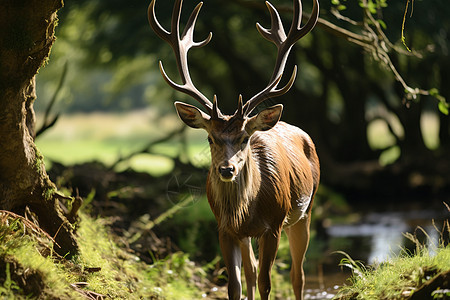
[375, 238]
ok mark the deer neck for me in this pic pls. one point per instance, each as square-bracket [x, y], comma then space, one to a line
[232, 200]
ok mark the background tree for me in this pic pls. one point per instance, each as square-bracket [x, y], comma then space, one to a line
[26, 37]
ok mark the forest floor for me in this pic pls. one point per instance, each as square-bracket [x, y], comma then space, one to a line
[130, 249]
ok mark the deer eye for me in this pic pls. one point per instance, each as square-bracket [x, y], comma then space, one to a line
[210, 141]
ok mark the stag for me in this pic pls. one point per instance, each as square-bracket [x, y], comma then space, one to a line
[264, 172]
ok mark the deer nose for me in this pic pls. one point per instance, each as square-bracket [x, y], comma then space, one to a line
[226, 171]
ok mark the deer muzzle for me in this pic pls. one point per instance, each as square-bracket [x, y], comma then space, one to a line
[227, 172]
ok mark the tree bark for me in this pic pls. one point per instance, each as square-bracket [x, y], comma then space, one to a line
[26, 37]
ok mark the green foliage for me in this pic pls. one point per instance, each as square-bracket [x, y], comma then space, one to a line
[10, 287]
[373, 6]
[443, 107]
[442, 104]
[339, 4]
[175, 277]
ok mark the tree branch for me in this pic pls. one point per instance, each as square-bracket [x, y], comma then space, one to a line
[149, 146]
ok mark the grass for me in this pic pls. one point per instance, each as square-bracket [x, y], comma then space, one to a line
[105, 137]
[29, 271]
[402, 276]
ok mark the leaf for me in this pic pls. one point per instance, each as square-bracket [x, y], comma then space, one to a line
[372, 7]
[443, 107]
[382, 23]
[434, 92]
[382, 3]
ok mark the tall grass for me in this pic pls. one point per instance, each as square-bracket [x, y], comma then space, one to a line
[402, 276]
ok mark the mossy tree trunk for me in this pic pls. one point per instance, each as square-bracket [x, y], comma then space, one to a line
[26, 37]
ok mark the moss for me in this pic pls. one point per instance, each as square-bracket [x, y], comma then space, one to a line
[48, 193]
[49, 188]
[101, 265]
[50, 35]
[39, 164]
[24, 271]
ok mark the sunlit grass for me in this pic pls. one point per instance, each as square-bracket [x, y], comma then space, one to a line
[106, 137]
[396, 279]
[409, 273]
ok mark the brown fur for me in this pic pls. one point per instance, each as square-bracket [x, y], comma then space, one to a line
[281, 172]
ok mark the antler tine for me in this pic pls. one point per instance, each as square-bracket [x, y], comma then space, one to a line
[157, 28]
[189, 29]
[268, 92]
[284, 43]
[298, 31]
[181, 47]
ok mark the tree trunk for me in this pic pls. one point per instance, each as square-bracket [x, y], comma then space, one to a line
[26, 37]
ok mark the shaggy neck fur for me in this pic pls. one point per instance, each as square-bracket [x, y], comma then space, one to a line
[232, 199]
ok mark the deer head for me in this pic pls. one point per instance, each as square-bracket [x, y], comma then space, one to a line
[229, 135]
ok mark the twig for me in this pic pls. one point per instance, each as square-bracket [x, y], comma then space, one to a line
[147, 148]
[47, 123]
[4, 215]
[161, 218]
[77, 286]
[372, 39]
[403, 25]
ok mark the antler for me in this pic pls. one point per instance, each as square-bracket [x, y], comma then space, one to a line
[284, 43]
[181, 47]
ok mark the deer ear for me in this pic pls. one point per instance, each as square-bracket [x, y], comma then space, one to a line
[265, 119]
[191, 115]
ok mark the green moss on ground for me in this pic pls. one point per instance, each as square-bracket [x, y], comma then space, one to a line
[29, 269]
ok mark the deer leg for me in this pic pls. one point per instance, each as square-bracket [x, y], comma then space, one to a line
[249, 261]
[231, 253]
[298, 235]
[268, 246]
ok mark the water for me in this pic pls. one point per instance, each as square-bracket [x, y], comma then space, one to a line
[380, 236]
[374, 239]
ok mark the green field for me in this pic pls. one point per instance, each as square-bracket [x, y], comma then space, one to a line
[105, 137]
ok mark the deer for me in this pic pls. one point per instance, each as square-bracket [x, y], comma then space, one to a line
[264, 173]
